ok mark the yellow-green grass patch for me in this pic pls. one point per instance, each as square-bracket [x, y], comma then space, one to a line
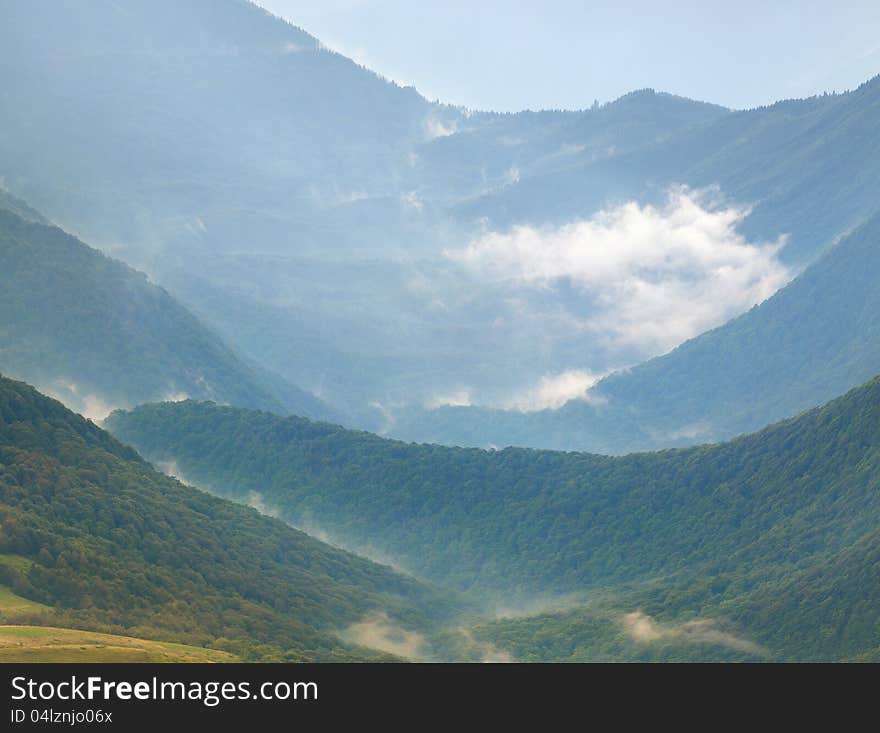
[50, 644]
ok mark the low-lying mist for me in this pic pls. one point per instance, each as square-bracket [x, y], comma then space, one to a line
[640, 627]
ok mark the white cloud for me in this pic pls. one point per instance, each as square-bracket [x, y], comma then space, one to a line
[571, 149]
[387, 416]
[89, 405]
[640, 627]
[457, 398]
[196, 226]
[170, 468]
[335, 196]
[255, 500]
[484, 650]
[691, 431]
[411, 200]
[377, 631]
[95, 409]
[175, 397]
[553, 391]
[435, 127]
[656, 276]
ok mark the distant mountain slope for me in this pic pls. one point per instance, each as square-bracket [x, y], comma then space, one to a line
[10, 203]
[807, 167]
[202, 110]
[814, 339]
[100, 335]
[186, 136]
[490, 152]
[264, 179]
[91, 530]
[235, 159]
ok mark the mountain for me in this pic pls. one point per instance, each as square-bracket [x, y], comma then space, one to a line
[305, 208]
[195, 140]
[804, 166]
[420, 329]
[100, 335]
[209, 115]
[677, 533]
[487, 153]
[91, 530]
[260, 177]
[16, 206]
[814, 339]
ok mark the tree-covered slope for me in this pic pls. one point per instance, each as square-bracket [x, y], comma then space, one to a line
[529, 521]
[91, 530]
[825, 611]
[750, 549]
[814, 339]
[98, 334]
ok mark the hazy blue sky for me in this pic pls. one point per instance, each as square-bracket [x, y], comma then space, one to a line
[562, 53]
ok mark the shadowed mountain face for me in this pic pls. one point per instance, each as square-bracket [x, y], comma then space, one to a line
[715, 527]
[91, 530]
[99, 335]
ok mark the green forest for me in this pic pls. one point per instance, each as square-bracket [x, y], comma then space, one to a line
[747, 531]
[91, 530]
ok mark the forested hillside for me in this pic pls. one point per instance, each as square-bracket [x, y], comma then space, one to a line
[822, 612]
[100, 335]
[92, 531]
[774, 531]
